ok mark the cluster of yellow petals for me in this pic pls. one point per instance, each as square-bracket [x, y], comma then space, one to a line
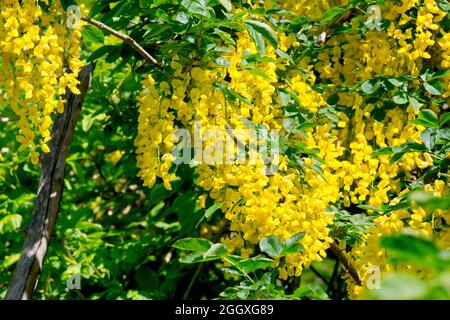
[257, 204]
[352, 58]
[307, 8]
[37, 48]
[368, 253]
[287, 202]
[154, 142]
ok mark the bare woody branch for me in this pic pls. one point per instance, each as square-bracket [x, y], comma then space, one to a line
[126, 38]
[346, 263]
[48, 199]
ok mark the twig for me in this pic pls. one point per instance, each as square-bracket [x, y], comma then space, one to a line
[124, 37]
[193, 279]
[48, 199]
[346, 263]
[330, 289]
[317, 273]
[105, 180]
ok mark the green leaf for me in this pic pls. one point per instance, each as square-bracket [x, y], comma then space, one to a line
[230, 94]
[411, 249]
[332, 13]
[414, 103]
[226, 4]
[102, 51]
[369, 86]
[429, 116]
[291, 244]
[264, 30]
[399, 286]
[11, 222]
[444, 120]
[400, 98]
[203, 250]
[429, 201]
[194, 257]
[408, 244]
[369, 207]
[87, 123]
[395, 82]
[396, 157]
[93, 34]
[216, 251]
[441, 74]
[193, 244]
[271, 245]
[434, 87]
[196, 7]
[252, 264]
[444, 5]
[333, 99]
[285, 55]
[10, 260]
[221, 61]
[428, 137]
[225, 36]
[210, 211]
[378, 114]
[384, 151]
[258, 39]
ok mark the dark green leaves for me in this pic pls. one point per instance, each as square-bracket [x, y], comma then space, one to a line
[193, 244]
[226, 4]
[291, 245]
[378, 114]
[230, 94]
[277, 249]
[93, 34]
[196, 7]
[399, 151]
[271, 245]
[431, 82]
[413, 250]
[260, 31]
[210, 211]
[400, 98]
[434, 88]
[369, 86]
[427, 118]
[249, 265]
[202, 250]
[351, 227]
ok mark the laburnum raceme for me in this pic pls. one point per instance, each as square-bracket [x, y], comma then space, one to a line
[39, 60]
[289, 201]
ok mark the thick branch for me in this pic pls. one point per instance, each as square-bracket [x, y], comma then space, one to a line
[346, 263]
[124, 37]
[49, 195]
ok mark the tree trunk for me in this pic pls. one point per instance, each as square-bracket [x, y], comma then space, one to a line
[49, 194]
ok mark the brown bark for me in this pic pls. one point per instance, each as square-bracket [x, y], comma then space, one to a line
[49, 194]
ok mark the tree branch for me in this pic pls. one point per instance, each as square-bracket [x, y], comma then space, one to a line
[320, 276]
[346, 263]
[48, 199]
[124, 37]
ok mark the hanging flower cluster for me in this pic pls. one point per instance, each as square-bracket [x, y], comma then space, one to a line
[37, 50]
[296, 197]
